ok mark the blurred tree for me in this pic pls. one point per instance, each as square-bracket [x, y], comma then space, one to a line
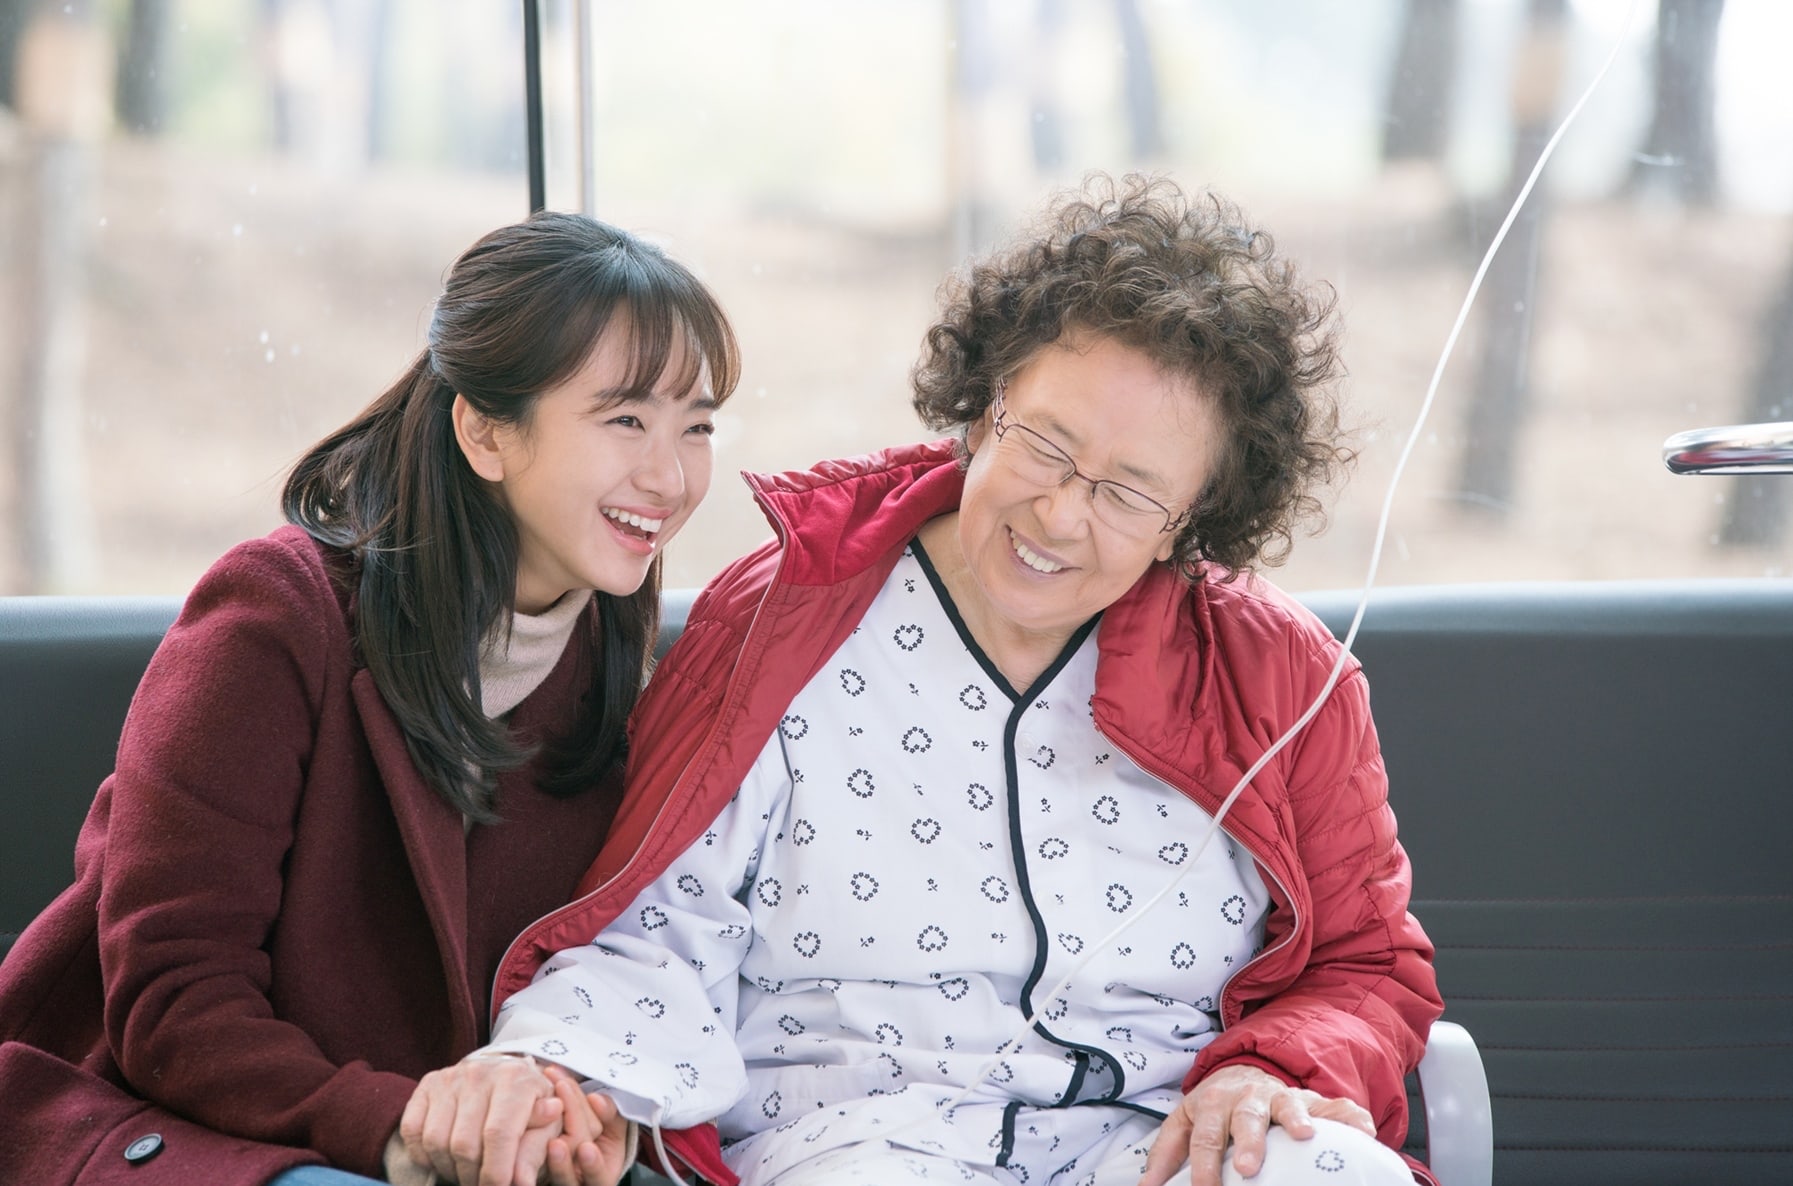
[1139, 82]
[1418, 114]
[325, 78]
[13, 14]
[971, 81]
[1046, 113]
[1679, 156]
[379, 82]
[1139, 86]
[1756, 513]
[1499, 402]
[282, 102]
[142, 99]
[63, 93]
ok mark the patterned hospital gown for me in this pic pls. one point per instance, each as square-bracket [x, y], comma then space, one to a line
[918, 856]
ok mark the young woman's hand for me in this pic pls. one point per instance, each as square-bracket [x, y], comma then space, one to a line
[593, 1148]
[1238, 1104]
[486, 1121]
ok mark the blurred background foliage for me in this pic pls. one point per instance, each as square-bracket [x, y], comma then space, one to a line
[222, 223]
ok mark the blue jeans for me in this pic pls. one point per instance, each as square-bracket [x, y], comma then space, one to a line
[321, 1175]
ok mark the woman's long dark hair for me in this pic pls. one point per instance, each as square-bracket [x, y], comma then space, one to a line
[437, 554]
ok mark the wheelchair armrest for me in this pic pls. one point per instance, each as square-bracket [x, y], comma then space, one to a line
[1459, 1121]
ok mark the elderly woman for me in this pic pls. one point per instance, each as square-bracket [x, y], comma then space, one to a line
[915, 763]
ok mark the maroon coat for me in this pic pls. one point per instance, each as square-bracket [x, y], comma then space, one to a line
[276, 926]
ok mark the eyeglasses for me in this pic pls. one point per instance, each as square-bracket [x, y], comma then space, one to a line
[1033, 458]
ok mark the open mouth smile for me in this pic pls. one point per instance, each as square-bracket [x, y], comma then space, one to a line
[633, 525]
[1032, 558]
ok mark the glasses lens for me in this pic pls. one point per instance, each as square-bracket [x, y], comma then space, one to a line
[1127, 510]
[1035, 458]
[1032, 457]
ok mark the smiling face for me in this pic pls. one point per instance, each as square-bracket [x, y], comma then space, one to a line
[596, 484]
[1038, 562]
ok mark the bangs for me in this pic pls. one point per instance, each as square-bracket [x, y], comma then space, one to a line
[676, 329]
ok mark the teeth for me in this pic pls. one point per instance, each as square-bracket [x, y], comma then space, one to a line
[633, 520]
[1028, 557]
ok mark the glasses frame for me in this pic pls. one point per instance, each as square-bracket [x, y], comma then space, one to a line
[1002, 426]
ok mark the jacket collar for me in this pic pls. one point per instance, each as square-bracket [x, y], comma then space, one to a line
[843, 518]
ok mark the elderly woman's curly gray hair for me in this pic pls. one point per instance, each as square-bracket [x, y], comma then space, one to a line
[1207, 298]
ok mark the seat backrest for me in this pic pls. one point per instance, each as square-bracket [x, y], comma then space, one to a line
[68, 666]
[1595, 784]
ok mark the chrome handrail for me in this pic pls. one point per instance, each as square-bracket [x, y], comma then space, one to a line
[1731, 449]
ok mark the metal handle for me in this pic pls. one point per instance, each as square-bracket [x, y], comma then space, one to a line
[1732, 449]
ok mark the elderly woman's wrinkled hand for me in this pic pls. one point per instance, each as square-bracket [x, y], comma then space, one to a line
[486, 1121]
[1238, 1104]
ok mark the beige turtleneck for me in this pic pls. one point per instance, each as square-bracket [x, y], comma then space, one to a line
[513, 665]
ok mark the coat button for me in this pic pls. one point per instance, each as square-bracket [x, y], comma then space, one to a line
[143, 1148]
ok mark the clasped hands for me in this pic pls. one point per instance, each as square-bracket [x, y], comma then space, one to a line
[509, 1121]
[495, 1121]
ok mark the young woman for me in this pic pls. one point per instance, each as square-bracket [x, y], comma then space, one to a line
[375, 745]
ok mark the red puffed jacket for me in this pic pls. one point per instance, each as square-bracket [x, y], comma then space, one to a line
[1194, 682]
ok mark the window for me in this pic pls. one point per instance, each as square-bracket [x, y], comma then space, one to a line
[256, 269]
[224, 221]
